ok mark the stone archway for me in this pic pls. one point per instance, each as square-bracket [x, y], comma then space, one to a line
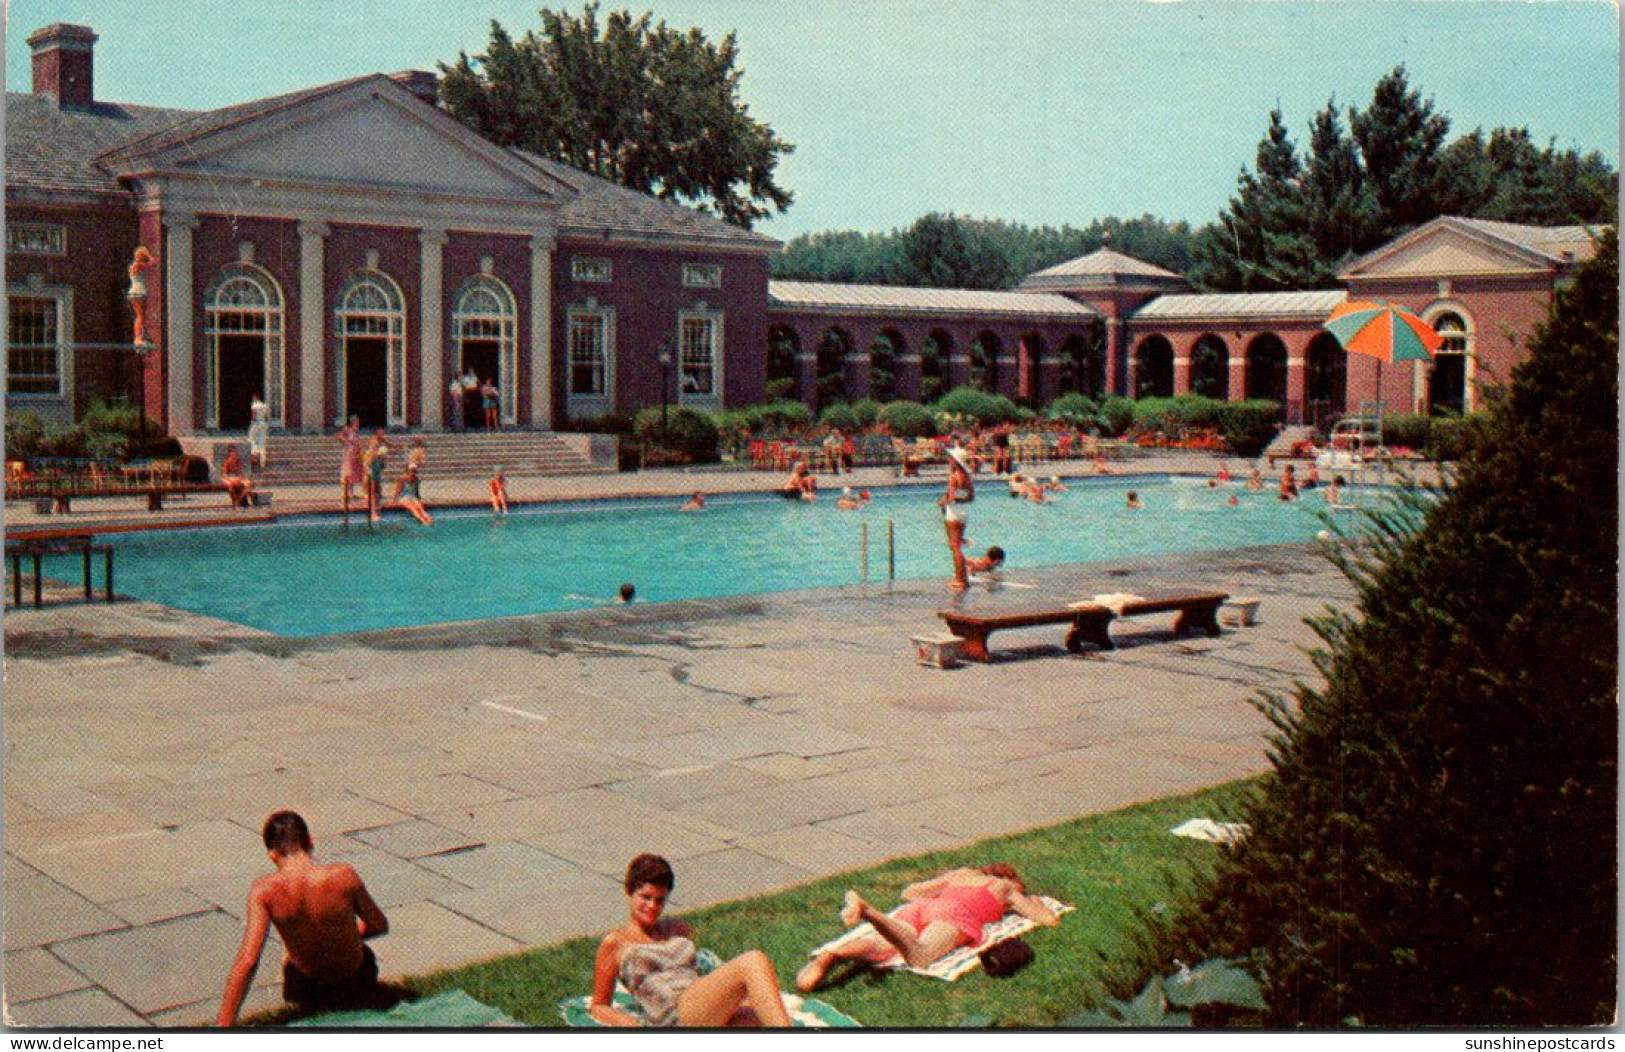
[1325, 381]
[887, 347]
[1266, 369]
[1210, 368]
[783, 344]
[984, 360]
[833, 346]
[935, 350]
[1083, 365]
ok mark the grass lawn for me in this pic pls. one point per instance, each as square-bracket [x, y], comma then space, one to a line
[1110, 866]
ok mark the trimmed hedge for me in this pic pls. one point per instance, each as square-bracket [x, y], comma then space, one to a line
[687, 432]
[908, 419]
[1249, 426]
[984, 406]
[839, 415]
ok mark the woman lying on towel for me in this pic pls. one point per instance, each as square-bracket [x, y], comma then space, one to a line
[940, 915]
[654, 959]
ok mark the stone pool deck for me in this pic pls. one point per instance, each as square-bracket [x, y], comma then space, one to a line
[490, 779]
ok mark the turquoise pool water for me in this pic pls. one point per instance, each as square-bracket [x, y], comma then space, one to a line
[312, 577]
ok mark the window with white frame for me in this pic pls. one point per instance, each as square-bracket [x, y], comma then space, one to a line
[36, 239]
[370, 306]
[1448, 379]
[589, 268]
[243, 301]
[699, 355]
[485, 313]
[590, 333]
[702, 275]
[36, 343]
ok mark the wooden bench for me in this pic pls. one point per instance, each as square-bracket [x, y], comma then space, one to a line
[36, 550]
[60, 498]
[1090, 622]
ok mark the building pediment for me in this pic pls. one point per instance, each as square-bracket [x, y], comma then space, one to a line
[1445, 248]
[369, 134]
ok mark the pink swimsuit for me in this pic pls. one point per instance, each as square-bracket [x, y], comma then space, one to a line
[965, 906]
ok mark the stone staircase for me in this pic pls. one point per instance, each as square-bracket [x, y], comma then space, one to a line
[314, 459]
[1281, 445]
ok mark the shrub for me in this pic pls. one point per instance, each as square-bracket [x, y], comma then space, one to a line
[62, 440]
[783, 415]
[687, 432]
[118, 417]
[867, 410]
[1249, 426]
[24, 433]
[839, 415]
[107, 445]
[982, 406]
[1074, 408]
[785, 387]
[908, 419]
[1437, 846]
[1405, 429]
[1118, 413]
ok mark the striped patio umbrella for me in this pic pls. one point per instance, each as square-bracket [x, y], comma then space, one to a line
[1384, 331]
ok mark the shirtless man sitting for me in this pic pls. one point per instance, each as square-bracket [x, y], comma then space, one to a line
[321, 913]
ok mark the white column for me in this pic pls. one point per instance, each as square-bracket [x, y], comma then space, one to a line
[312, 330]
[431, 327]
[178, 311]
[541, 332]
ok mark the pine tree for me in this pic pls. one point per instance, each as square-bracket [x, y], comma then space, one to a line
[1400, 137]
[1342, 210]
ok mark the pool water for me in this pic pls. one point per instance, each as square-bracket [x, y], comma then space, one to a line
[310, 576]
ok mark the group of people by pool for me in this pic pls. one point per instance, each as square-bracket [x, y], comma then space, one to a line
[324, 915]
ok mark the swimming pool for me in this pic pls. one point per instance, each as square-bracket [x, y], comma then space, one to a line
[303, 577]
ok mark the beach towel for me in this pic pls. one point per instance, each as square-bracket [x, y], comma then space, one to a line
[965, 958]
[1211, 831]
[453, 1009]
[806, 1012]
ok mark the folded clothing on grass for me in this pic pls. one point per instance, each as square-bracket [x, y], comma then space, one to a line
[965, 958]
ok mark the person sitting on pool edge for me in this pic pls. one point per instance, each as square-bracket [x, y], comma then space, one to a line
[322, 914]
[239, 488]
[940, 915]
[499, 493]
[654, 958]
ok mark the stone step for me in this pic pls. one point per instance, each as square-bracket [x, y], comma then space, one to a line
[304, 459]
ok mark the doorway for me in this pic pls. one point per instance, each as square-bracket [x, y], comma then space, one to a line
[481, 356]
[240, 372]
[366, 380]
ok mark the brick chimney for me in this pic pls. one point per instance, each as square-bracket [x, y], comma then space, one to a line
[64, 59]
[420, 82]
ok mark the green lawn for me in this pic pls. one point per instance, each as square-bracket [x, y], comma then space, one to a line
[1110, 866]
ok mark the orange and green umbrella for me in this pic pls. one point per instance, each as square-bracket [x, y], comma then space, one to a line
[1384, 331]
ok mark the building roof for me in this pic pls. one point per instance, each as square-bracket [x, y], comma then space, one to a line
[53, 149]
[601, 205]
[1242, 306]
[898, 299]
[1553, 241]
[1102, 268]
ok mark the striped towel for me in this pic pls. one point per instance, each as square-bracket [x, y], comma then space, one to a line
[807, 1012]
[962, 960]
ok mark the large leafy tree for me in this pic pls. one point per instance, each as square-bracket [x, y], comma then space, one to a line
[944, 252]
[650, 107]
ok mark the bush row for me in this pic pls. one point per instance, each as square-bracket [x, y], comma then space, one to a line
[109, 430]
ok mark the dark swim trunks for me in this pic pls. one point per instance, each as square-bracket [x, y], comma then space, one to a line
[300, 989]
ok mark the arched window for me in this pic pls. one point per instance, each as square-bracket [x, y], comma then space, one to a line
[242, 328]
[484, 323]
[369, 326]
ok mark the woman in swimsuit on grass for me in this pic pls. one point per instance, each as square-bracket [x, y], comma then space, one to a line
[653, 957]
[940, 915]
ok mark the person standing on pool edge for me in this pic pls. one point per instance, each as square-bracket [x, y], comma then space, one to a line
[961, 490]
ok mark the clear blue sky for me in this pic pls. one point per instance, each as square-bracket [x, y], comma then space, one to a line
[1039, 111]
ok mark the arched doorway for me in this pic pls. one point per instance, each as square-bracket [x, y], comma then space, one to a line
[1154, 368]
[370, 366]
[934, 354]
[1266, 368]
[243, 328]
[883, 353]
[1325, 381]
[1210, 368]
[984, 361]
[1083, 365]
[483, 326]
[1447, 376]
[783, 344]
[833, 347]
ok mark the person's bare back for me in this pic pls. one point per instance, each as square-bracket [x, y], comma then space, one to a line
[321, 912]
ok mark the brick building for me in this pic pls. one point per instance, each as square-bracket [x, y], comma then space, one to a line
[348, 249]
